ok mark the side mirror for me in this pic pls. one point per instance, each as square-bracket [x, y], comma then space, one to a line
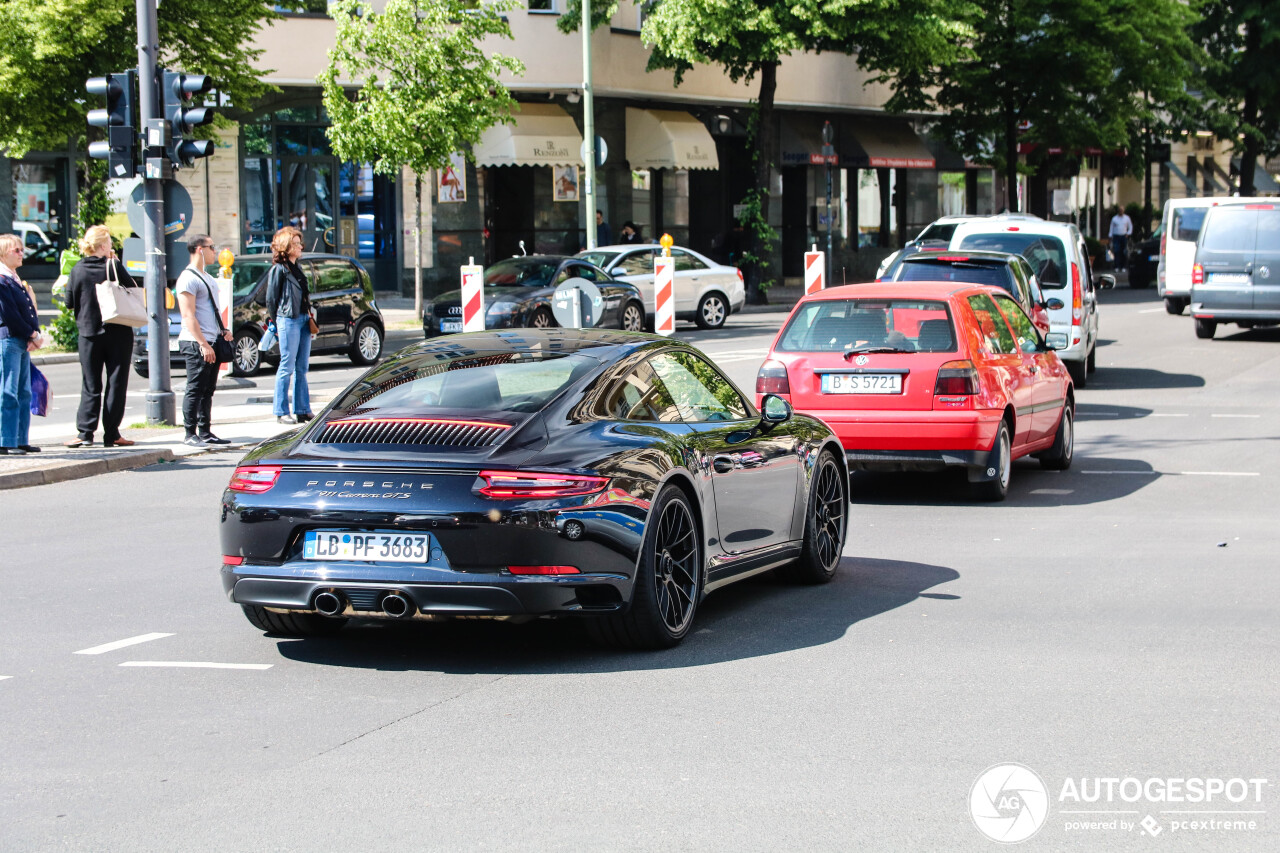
[1055, 304]
[1104, 281]
[774, 410]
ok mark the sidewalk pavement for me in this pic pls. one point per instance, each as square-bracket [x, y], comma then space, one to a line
[244, 425]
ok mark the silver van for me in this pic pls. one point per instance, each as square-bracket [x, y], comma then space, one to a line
[1236, 274]
[1182, 219]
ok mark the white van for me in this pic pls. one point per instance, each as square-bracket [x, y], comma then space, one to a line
[1182, 219]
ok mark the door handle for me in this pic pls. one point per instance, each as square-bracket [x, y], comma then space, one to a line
[723, 464]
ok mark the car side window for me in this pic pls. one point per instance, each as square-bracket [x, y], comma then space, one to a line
[995, 331]
[1024, 331]
[636, 263]
[639, 396]
[589, 273]
[686, 262]
[699, 391]
[334, 275]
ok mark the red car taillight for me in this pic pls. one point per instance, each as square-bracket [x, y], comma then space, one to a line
[1197, 274]
[520, 484]
[772, 378]
[956, 378]
[1077, 296]
[254, 478]
[739, 272]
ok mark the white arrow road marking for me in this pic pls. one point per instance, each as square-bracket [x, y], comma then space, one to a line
[120, 644]
[3, 677]
[197, 664]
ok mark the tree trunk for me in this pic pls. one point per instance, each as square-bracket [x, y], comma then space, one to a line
[1010, 159]
[417, 244]
[1249, 116]
[764, 151]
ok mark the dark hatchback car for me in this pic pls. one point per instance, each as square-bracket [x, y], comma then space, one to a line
[1009, 272]
[341, 297]
[517, 292]
[1144, 259]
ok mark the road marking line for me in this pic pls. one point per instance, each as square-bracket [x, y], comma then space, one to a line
[1182, 473]
[1150, 311]
[198, 664]
[1052, 491]
[1170, 415]
[738, 358]
[120, 644]
[1142, 473]
[1216, 415]
[3, 677]
[1097, 415]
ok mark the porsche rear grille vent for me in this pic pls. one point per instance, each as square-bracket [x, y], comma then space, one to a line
[437, 431]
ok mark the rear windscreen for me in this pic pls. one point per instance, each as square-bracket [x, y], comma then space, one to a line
[909, 325]
[472, 382]
[1187, 222]
[1047, 255]
[1230, 229]
[998, 275]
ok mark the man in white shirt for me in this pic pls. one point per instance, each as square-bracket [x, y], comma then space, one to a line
[1121, 228]
[200, 326]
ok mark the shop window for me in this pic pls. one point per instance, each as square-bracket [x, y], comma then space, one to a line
[544, 6]
[39, 202]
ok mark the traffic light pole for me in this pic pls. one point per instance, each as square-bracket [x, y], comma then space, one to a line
[160, 401]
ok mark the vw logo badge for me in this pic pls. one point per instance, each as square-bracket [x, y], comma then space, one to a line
[862, 359]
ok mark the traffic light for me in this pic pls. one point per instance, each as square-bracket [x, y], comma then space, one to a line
[177, 90]
[118, 120]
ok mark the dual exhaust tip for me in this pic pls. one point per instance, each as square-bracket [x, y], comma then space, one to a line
[394, 604]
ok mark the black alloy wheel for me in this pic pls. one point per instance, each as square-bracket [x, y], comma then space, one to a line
[825, 525]
[712, 311]
[246, 357]
[632, 318]
[292, 624]
[542, 319]
[668, 581]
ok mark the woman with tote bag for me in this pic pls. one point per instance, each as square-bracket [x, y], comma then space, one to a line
[103, 344]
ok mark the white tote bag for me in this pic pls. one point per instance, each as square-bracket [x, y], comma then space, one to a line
[121, 305]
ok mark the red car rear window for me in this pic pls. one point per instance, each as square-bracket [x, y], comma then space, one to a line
[911, 325]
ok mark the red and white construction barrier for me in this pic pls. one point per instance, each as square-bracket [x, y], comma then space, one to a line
[472, 297]
[664, 298]
[815, 265]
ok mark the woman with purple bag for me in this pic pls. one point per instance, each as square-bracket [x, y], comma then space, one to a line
[19, 337]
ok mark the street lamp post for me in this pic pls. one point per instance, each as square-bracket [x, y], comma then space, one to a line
[828, 155]
[588, 127]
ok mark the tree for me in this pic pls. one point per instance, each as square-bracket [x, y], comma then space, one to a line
[1241, 39]
[750, 38]
[427, 89]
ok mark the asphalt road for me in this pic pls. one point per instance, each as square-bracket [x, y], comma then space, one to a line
[1117, 620]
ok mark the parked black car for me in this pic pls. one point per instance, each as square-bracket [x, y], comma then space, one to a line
[1144, 258]
[517, 292]
[610, 476]
[342, 297]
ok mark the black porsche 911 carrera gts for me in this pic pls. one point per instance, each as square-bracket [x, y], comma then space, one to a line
[613, 475]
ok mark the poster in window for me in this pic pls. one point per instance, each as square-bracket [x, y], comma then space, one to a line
[451, 181]
[565, 183]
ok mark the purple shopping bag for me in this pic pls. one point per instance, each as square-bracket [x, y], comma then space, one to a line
[41, 393]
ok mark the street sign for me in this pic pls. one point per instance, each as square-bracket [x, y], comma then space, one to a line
[472, 297]
[664, 268]
[577, 304]
[602, 151]
[176, 257]
[814, 265]
[177, 212]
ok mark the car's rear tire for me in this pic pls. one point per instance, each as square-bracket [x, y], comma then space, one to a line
[996, 488]
[292, 624]
[713, 310]
[143, 369]
[247, 358]
[542, 319]
[664, 598]
[1079, 371]
[632, 319]
[1091, 361]
[826, 522]
[1205, 328]
[1174, 305]
[1058, 457]
[366, 345]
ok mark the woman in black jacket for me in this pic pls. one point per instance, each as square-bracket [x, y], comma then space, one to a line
[102, 345]
[289, 303]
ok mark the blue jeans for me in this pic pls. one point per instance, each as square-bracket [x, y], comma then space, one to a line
[295, 357]
[1119, 250]
[15, 393]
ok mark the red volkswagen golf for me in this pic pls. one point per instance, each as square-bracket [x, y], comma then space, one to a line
[926, 375]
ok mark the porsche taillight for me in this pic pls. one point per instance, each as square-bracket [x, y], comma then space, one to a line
[514, 485]
[1077, 296]
[254, 478]
[1197, 274]
[772, 378]
[956, 378]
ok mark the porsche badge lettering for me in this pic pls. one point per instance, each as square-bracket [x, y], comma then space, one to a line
[337, 489]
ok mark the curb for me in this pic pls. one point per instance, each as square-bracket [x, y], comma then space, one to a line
[60, 472]
[59, 358]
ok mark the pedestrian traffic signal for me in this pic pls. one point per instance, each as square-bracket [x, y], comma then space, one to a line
[118, 122]
[177, 90]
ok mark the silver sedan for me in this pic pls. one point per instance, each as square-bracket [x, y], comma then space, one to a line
[705, 292]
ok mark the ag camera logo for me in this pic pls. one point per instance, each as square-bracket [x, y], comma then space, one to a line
[1009, 803]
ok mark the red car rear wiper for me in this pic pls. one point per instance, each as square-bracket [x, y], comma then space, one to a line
[867, 349]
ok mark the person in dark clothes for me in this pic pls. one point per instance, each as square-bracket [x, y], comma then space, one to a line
[19, 337]
[604, 235]
[102, 345]
[630, 233]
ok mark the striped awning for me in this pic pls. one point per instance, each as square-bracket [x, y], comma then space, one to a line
[542, 135]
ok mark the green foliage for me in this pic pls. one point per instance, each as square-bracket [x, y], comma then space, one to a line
[62, 331]
[427, 88]
[92, 204]
[49, 49]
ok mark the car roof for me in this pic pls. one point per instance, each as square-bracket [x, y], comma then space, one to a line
[1015, 222]
[892, 290]
[605, 343]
